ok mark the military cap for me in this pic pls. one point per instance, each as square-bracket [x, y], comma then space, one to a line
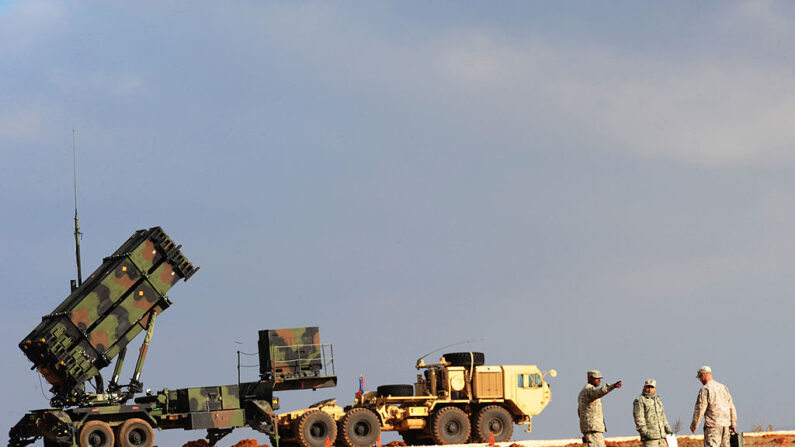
[594, 374]
[650, 382]
[703, 370]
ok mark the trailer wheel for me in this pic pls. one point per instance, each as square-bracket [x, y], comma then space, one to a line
[492, 419]
[394, 390]
[314, 427]
[359, 428]
[135, 433]
[450, 425]
[96, 434]
[465, 359]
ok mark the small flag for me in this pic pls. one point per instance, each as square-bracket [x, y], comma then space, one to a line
[491, 439]
[327, 443]
[360, 393]
[379, 441]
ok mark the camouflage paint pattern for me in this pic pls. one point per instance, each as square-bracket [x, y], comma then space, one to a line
[89, 328]
[218, 419]
[293, 352]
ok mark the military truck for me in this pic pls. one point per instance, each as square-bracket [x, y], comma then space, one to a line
[94, 325]
[455, 401]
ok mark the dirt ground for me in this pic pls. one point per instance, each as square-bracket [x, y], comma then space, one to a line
[762, 440]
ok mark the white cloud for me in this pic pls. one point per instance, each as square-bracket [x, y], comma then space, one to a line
[761, 17]
[702, 115]
[711, 113]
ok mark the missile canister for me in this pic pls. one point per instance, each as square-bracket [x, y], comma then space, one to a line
[99, 318]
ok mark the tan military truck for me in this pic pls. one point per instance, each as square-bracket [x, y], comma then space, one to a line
[455, 401]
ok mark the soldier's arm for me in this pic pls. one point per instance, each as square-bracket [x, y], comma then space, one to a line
[701, 407]
[640, 418]
[596, 393]
[732, 412]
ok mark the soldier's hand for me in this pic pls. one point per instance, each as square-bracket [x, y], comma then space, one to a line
[617, 384]
[692, 429]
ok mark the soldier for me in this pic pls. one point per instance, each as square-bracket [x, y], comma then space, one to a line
[715, 405]
[650, 420]
[589, 408]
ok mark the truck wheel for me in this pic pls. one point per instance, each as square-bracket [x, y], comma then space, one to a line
[394, 390]
[314, 427]
[96, 434]
[135, 433]
[450, 425]
[359, 428]
[464, 358]
[492, 419]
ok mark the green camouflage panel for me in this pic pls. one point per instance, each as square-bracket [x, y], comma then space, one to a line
[218, 419]
[293, 352]
[89, 328]
[207, 398]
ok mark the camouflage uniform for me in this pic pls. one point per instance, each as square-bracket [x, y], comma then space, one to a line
[650, 420]
[715, 405]
[589, 408]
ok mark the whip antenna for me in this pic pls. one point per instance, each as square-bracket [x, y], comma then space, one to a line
[77, 219]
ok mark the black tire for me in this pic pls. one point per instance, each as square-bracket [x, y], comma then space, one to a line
[314, 427]
[395, 390]
[450, 425]
[96, 434]
[359, 428]
[135, 433]
[464, 358]
[492, 419]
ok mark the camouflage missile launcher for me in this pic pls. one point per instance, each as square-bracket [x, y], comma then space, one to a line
[302, 363]
[98, 319]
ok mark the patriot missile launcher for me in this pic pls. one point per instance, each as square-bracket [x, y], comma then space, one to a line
[94, 325]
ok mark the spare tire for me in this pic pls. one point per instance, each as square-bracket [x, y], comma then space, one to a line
[465, 358]
[394, 390]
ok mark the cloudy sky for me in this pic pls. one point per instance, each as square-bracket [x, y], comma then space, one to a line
[575, 185]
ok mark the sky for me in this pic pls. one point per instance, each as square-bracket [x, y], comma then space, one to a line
[574, 185]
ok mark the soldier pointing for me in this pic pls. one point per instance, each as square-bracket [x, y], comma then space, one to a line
[589, 408]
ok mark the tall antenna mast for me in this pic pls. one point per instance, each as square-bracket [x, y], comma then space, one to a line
[77, 219]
